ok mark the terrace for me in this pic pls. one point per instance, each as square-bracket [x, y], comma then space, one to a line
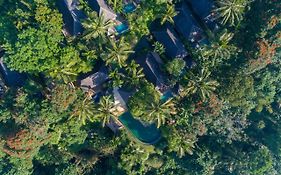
[145, 134]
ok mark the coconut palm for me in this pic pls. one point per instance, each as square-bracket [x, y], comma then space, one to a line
[105, 109]
[135, 73]
[200, 84]
[117, 5]
[117, 78]
[221, 49]
[95, 26]
[231, 11]
[117, 52]
[159, 48]
[66, 76]
[169, 14]
[181, 141]
[160, 111]
[83, 110]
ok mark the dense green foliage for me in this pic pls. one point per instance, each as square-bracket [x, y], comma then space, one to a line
[225, 119]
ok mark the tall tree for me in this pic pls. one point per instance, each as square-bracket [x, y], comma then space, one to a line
[200, 84]
[117, 52]
[96, 27]
[84, 110]
[220, 49]
[160, 111]
[135, 74]
[105, 110]
[231, 11]
[169, 14]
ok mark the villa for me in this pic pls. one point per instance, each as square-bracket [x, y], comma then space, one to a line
[145, 134]
[203, 8]
[186, 25]
[151, 67]
[94, 83]
[168, 37]
[71, 17]
[101, 7]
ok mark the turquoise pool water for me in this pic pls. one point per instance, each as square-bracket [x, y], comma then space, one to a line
[128, 8]
[121, 28]
[166, 96]
[146, 134]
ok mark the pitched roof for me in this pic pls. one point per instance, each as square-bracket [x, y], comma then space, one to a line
[2, 86]
[11, 78]
[102, 8]
[94, 81]
[185, 24]
[1, 51]
[125, 95]
[189, 62]
[202, 8]
[151, 68]
[173, 46]
[71, 16]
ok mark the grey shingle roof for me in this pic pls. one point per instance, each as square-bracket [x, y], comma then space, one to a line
[71, 16]
[11, 78]
[202, 8]
[94, 81]
[173, 46]
[102, 8]
[185, 24]
[151, 68]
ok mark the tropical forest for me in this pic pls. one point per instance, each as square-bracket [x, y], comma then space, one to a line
[140, 87]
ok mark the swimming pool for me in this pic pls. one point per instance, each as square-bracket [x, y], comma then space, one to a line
[166, 96]
[128, 8]
[145, 134]
[121, 28]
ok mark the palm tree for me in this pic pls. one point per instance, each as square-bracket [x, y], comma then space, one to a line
[181, 141]
[221, 49]
[201, 84]
[65, 75]
[84, 110]
[135, 73]
[169, 14]
[117, 52]
[159, 48]
[105, 109]
[95, 26]
[117, 78]
[160, 111]
[116, 5]
[231, 11]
